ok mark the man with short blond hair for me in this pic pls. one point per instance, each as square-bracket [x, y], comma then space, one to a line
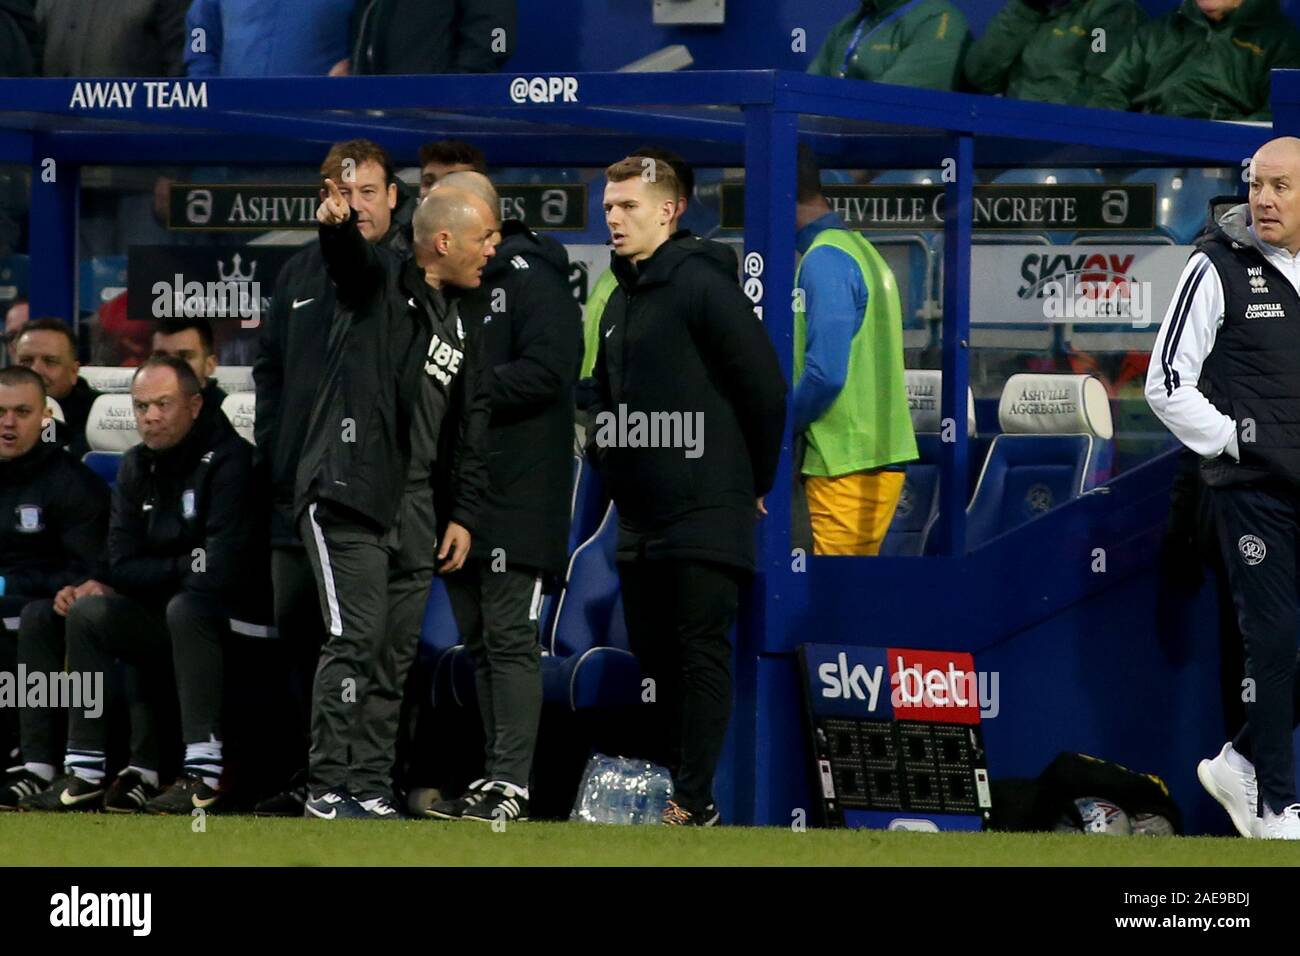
[679, 341]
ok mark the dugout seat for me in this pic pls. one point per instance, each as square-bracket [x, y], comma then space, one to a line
[111, 424]
[108, 378]
[590, 664]
[241, 409]
[1056, 431]
[918, 504]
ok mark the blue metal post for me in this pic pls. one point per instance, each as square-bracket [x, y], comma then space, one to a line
[52, 275]
[768, 278]
[958, 216]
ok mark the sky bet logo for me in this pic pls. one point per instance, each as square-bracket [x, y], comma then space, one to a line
[938, 686]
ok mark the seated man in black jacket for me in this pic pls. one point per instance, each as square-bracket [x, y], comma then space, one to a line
[54, 513]
[183, 560]
[49, 348]
[398, 421]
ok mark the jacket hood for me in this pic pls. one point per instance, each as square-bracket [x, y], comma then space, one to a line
[680, 247]
[399, 235]
[1232, 226]
[1251, 11]
[518, 240]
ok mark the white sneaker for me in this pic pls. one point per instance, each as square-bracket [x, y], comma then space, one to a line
[1281, 826]
[1235, 790]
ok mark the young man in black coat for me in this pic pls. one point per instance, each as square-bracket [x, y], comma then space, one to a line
[185, 556]
[686, 431]
[398, 417]
[529, 332]
[53, 522]
[292, 350]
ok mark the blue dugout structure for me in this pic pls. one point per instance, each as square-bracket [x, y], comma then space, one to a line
[1104, 663]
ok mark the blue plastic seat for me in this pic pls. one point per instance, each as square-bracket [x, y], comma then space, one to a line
[1055, 444]
[104, 464]
[589, 664]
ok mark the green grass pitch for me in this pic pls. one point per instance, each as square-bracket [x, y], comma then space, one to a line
[100, 839]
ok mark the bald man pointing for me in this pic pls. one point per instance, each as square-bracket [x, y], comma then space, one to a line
[398, 422]
[1225, 379]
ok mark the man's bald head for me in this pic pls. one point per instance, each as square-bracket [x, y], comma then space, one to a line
[453, 231]
[471, 182]
[1275, 193]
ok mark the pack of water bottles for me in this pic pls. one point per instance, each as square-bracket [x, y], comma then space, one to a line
[622, 790]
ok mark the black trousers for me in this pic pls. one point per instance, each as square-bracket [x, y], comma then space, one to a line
[11, 608]
[185, 638]
[679, 614]
[1259, 532]
[372, 589]
[302, 633]
[497, 614]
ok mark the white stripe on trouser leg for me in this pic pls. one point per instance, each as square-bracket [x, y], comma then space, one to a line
[535, 609]
[326, 572]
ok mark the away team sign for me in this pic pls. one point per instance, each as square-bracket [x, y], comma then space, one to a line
[1033, 207]
[234, 207]
[130, 94]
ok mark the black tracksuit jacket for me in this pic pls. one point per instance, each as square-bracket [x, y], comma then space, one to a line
[290, 364]
[390, 325]
[678, 335]
[530, 330]
[199, 494]
[53, 522]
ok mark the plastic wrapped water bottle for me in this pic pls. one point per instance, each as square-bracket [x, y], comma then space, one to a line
[622, 790]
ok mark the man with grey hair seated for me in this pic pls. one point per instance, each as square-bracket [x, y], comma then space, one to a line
[381, 479]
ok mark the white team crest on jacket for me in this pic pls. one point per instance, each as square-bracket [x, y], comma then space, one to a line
[1258, 284]
[29, 518]
[1252, 549]
[188, 510]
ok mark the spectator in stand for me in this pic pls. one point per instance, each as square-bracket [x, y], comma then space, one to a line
[49, 348]
[1050, 50]
[268, 37]
[122, 38]
[908, 42]
[1208, 59]
[19, 39]
[432, 36]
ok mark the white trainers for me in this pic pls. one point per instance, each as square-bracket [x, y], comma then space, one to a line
[1235, 790]
[1281, 826]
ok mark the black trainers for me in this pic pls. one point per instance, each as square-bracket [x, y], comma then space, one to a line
[287, 803]
[676, 815]
[333, 805]
[129, 792]
[66, 793]
[379, 808]
[455, 808]
[499, 801]
[184, 797]
[19, 782]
